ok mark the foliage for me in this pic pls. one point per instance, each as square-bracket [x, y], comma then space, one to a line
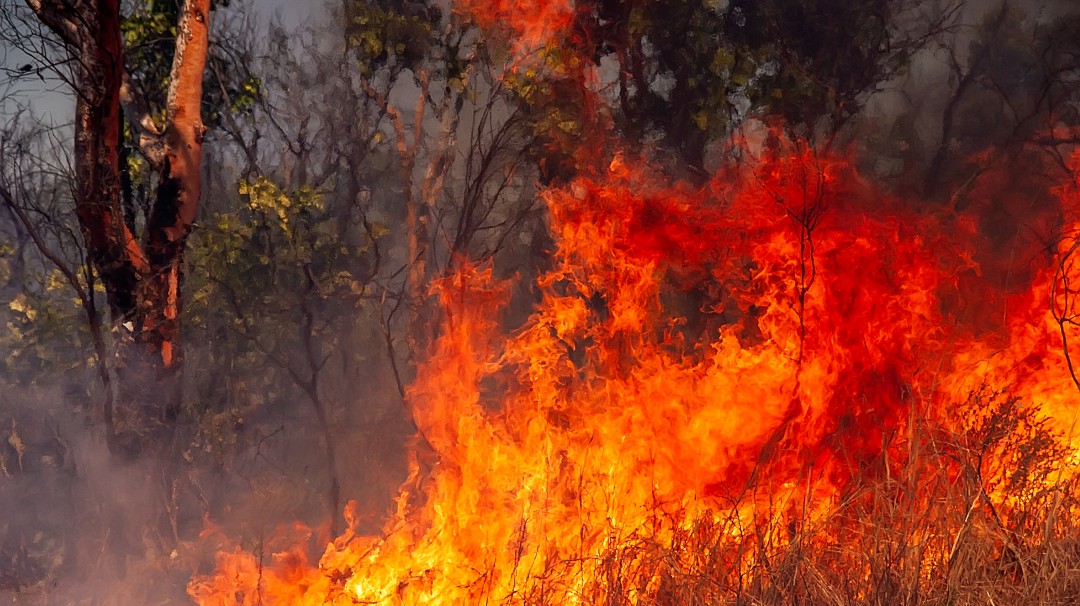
[388, 32]
[44, 334]
[268, 281]
[149, 34]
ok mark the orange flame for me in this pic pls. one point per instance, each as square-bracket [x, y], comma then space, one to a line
[724, 361]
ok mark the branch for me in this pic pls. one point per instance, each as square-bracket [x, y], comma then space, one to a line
[42, 247]
[56, 16]
[185, 130]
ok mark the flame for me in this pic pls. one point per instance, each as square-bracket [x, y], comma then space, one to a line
[711, 373]
[531, 25]
[715, 379]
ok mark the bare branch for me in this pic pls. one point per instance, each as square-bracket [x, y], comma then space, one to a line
[58, 17]
[42, 247]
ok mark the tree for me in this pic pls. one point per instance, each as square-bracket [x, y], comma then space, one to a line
[688, 73]
[1011, 86]
[142, 276]
[464, 137]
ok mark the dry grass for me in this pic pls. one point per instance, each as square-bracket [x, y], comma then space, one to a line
[981, 511]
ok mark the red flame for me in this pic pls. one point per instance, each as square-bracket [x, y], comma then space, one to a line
[532, 24]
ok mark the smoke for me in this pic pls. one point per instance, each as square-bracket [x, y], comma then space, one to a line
[74, 523]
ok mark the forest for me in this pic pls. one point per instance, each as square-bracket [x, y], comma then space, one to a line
[539, 302]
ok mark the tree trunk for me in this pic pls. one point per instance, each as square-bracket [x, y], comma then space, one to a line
[142, 277]
[159, 302]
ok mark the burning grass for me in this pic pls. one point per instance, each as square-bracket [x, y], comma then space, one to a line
[994, 524]
[764, 390]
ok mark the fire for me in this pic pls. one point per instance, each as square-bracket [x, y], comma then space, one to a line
[713, 375]
[717, 380]
[532, 25]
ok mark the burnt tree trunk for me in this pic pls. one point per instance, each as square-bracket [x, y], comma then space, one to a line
[142, 276]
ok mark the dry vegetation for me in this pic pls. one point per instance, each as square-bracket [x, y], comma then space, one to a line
[983, 513]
